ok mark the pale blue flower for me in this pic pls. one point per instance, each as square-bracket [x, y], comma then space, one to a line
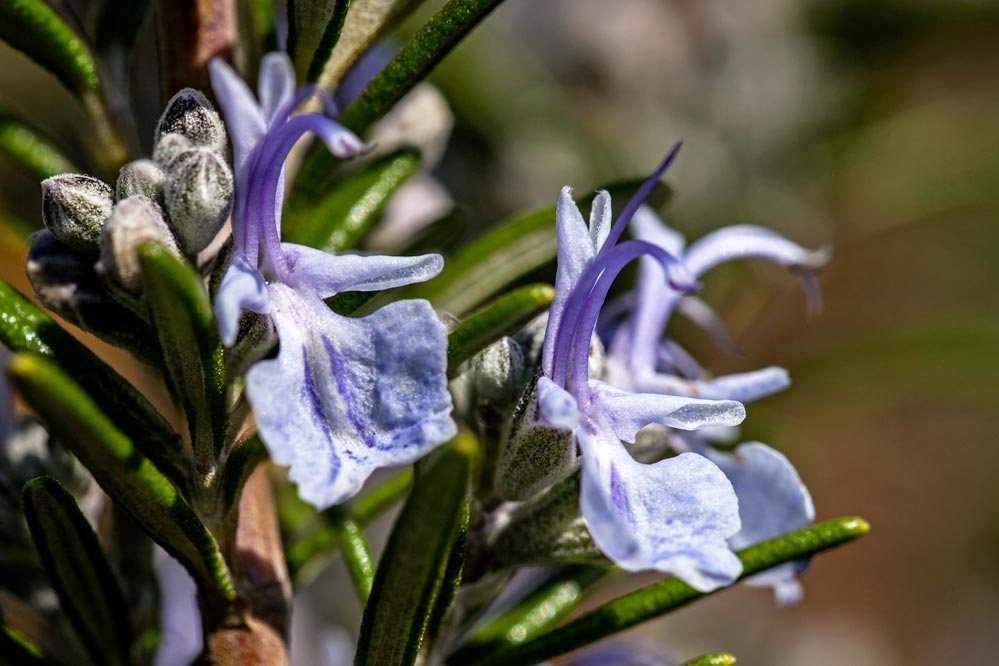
[676, 515]
[772, 498]
[344, 396]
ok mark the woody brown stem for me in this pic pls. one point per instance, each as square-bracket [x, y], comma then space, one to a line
[192, 32]
[254, 630]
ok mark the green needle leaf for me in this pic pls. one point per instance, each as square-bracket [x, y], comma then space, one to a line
[122, 471]
[32, 27]
[25, 328]
[482, 268]
[502, 317]
[415, 60]
[508, 252]
[539, 611]
[365, 22]
[192, 352]
[714, 659]
[313, 30]
[339, 219]
[412, 570]
[241, 462]
[17, 650]
[668, 595]
[355, 549]
[71, 554]
[307, 556]
[30, 151]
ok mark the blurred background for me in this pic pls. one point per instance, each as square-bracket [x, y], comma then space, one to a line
[869, 127]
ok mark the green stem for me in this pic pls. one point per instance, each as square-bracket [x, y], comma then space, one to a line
[668, 595]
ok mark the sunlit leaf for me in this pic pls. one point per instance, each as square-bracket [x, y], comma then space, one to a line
[121, 470]
[412, 569]
[71, 554]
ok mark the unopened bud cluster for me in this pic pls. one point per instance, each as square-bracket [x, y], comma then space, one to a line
[85, 265]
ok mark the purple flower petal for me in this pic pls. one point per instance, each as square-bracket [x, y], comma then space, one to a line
[576, 249]
[346, 396]
[244, 118]
[600, 219]
[674, 516]
[275, 83]
[747, 241]
[242, 288]
[743, 387]
[627, 413]
[772, 501]
[328, 274]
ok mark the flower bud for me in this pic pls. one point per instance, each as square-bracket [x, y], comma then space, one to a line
[168, 147]
[536, 455]
[190, 114]
[497, 373]
[75, 208]
[143, 177]
[198, 197]
[66, 282]
[134, 221]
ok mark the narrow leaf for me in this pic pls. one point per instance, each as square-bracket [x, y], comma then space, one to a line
[32, 27]
[25, 328]
[192, 352]
[536, 613]
[243, 459]
[313, 25]
[339, 219]
[365, 22]
[121, 470]
[509, 252]
[17, 650]
[89, 592]
[308, 555]
[484, 267]
[412, 569]
[415, 60]
[31, 151]
[714, 659]
[355, 549]
[668, 595]
[502, 317]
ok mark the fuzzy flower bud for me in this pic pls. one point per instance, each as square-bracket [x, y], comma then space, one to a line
[66, 281]
[535, 456]
[135, 221]
[75, 208]
[169, 146]
[198, 197]
[143, 177]
[190, 114]
[497, 373]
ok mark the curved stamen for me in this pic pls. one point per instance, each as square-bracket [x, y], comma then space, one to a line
[594, 302]
[638, 198]
[264, 178]
[284, 111]
[585, 297]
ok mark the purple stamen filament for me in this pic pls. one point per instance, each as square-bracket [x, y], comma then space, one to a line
[255, 204]
[572, 341]
[579, 319]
